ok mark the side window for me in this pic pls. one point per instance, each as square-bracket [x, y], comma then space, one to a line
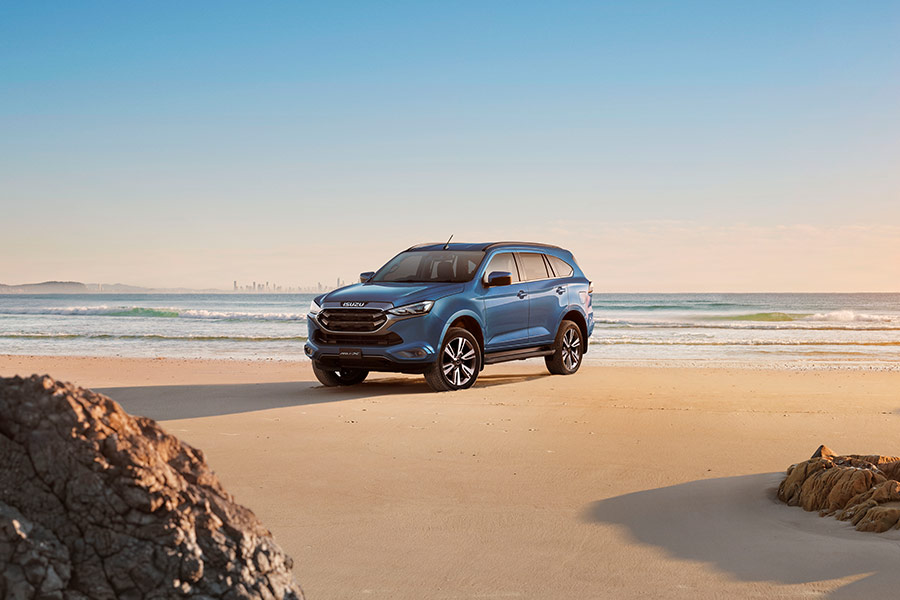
[561, 267]
[533, 266]
[503, 262]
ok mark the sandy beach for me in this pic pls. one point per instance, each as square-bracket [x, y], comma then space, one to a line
[617, 482]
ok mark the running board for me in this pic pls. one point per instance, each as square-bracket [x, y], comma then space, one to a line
[521, 354]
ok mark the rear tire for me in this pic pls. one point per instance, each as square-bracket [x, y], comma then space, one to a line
[569, 350]
[458, 362]
[334, 378]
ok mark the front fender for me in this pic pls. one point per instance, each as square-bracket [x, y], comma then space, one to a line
[465, 312]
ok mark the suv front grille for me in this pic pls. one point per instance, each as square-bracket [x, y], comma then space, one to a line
[343, 339]
[364, 320]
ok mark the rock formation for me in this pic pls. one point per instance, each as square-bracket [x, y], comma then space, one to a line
[95, 503]
[862, 489]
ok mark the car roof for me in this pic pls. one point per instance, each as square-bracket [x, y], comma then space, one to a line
[483, 246]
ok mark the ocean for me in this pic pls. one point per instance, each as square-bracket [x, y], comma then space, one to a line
[771, 330]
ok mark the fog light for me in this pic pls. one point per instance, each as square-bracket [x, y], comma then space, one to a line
[417, 353]
[308, 350]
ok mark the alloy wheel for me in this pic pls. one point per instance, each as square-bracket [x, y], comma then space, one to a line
[459, 361]
[571, 349]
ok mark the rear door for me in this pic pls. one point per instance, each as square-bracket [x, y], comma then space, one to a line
[505, 307]
[547, 297]
[563, 272]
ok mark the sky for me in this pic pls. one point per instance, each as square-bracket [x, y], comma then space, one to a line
[672, 146]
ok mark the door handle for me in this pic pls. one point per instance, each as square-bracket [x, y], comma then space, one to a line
[522, 294]
[560, 290]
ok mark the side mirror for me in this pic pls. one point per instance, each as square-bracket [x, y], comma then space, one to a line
[498, 278]
[364, 277]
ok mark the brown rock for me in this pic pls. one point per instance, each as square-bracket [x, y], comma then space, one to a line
[823, 452]
[862, 489]
[97, 503]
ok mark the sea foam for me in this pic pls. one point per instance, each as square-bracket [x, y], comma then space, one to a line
[849, 316]
[148, 312]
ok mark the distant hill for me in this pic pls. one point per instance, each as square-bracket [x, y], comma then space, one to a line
[47, 287]
[118, 288]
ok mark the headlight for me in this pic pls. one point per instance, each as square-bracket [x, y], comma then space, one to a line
[314, 308]
[419, 308]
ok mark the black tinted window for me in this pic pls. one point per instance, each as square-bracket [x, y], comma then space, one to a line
[532, 266]
[430, 267]
[503, 262]
[561, 267]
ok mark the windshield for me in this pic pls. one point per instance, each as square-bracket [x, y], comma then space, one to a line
[437, 266]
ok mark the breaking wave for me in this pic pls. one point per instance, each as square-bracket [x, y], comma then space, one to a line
[887, 324]
[850, 316]
[152, 336]
[606, 304]
[169, 313]
[603, 341]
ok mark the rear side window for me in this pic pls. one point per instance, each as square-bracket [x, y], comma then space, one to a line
[533, 266]
[561, 267]
[503, 262]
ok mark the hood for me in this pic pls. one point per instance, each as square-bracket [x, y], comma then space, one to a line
[395, 294]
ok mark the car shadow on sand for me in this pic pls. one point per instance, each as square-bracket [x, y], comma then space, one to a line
[737, 525]
[169, 402]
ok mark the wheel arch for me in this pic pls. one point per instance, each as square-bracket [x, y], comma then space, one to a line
[578, 318]
[471, 323]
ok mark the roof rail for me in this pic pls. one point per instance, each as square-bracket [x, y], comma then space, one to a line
[490, 245]
[535, 244]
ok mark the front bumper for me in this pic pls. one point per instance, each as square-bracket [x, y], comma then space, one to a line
[405, 345]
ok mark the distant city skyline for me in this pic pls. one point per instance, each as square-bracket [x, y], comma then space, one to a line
[689, 146]
[261, 287]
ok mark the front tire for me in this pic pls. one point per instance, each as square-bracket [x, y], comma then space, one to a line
[458, 362]
[336, 377]
[569, 350]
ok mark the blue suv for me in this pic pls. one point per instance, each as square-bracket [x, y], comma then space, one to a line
[446, 310]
